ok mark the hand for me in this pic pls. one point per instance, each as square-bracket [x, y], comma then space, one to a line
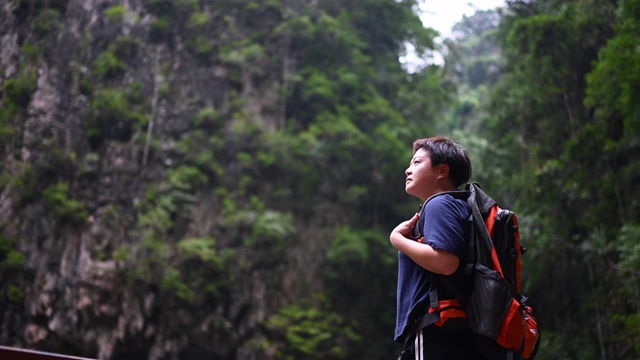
[404, 229]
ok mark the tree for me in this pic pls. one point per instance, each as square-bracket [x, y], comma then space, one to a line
[567, 164]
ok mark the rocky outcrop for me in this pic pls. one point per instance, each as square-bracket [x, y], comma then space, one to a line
[114, 233]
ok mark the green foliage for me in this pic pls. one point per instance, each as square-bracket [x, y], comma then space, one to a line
[157, 220]
[201, 45]
[628, 245]
[272, 225]
[351, 260]
[11, 257]
[349, 247]
[14, 259]
[376, 112]
[15, 293]
[198, 41]
[18, 91]
[135, 94]
[160, 29]
[203, 156]
[212, 264]
[47, 21]
[108, 65]
[201, 248]
[112, 116]
[31, 52]
[11, 262]
[164, 90]
[232, 196]
[319, 89]
[208, 117]
[7, 117]
[312, 333]
[384, 24]
[613, 84]
[122, 254]
[242, 53]
[123, 49]
[473, 60]
[24, 184]
[197, 21]
[116, 12]
[61, 206]
[300, 26]
[171, 282]
[560, 159]
[552, 347]
[164, 208]
[171, 17]
[186, 177]
[630, 334]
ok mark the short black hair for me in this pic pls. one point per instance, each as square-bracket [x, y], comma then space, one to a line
[443, 150]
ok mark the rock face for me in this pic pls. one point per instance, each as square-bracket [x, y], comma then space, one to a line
[124, 234]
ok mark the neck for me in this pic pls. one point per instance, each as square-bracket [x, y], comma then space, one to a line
[438, 190]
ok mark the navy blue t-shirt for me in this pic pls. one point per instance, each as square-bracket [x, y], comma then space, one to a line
[444, 219]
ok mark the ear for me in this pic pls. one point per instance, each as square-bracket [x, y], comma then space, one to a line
[443, 171]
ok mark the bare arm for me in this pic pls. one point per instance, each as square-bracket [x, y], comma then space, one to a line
[436, 261]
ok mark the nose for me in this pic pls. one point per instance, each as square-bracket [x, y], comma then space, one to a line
[408, 171]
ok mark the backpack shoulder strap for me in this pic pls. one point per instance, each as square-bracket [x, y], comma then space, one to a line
[481, 206]
[482, 201]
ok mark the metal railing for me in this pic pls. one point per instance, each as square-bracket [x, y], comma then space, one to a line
[9, 353]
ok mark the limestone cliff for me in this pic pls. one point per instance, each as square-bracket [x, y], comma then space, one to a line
[104, 214]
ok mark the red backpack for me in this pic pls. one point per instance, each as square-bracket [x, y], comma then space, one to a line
[493, 306]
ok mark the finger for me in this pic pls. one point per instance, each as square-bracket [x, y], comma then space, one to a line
[415, 218]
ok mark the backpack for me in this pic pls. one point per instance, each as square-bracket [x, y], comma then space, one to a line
[492, 307]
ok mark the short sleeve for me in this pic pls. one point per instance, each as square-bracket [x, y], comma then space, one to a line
[444, 224]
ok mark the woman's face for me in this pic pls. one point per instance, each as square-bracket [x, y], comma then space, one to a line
[421, 176]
